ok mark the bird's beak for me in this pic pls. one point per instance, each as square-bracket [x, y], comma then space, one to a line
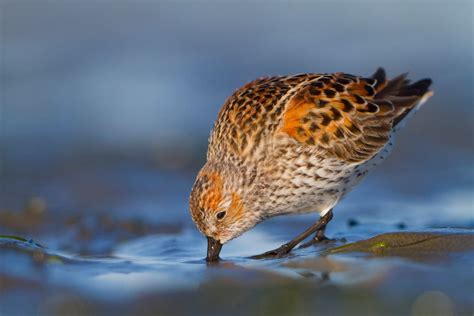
[213, 249]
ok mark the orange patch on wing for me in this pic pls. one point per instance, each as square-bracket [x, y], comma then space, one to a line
[332, 127]
[297, 110]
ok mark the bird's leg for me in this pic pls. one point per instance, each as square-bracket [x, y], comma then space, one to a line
[286, 248]
[319, 236]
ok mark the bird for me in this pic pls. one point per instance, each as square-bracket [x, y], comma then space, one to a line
[296, 144]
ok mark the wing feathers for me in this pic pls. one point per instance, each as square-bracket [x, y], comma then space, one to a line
[350, 117]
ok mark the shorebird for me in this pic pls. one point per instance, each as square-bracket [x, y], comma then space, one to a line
[296, 144]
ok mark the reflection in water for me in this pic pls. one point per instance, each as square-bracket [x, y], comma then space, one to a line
[130, 284]
[433, 303]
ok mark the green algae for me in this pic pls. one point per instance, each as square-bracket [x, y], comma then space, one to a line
[17, 238]
[410, 243]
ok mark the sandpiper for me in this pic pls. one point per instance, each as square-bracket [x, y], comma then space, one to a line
[296, 144]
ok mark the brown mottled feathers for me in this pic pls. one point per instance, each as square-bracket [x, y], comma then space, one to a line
[250, 114]
[349, 117]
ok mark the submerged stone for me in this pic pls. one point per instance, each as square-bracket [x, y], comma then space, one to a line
[411, 243]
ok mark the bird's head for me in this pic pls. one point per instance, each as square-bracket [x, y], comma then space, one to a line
[219, 205]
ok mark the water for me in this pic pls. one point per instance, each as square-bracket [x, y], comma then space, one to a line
[146, 256]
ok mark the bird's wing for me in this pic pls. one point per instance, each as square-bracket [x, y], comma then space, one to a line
[350, 117]
[251, 115]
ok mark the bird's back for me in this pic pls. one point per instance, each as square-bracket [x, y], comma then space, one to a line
[251, 116]
[343, 116]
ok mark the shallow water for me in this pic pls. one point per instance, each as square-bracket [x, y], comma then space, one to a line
[140, 253]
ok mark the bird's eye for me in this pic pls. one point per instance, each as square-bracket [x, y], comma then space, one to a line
[220, 215]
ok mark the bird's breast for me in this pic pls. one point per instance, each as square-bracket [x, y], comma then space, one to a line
[302, 182]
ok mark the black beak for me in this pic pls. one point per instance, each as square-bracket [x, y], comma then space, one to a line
[213, 249]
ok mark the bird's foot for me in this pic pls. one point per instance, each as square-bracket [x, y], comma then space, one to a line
[318, 240]
[279, 252]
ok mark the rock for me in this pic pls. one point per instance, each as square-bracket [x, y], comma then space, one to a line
[411, 243]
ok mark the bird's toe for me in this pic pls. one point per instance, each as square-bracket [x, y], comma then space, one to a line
[280, 252]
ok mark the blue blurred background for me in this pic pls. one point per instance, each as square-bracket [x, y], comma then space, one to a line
[90, 84]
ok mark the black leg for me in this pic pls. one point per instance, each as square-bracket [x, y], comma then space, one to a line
[286, 248]
[319, 236]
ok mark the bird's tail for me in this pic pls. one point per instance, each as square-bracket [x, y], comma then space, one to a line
[406, 96]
